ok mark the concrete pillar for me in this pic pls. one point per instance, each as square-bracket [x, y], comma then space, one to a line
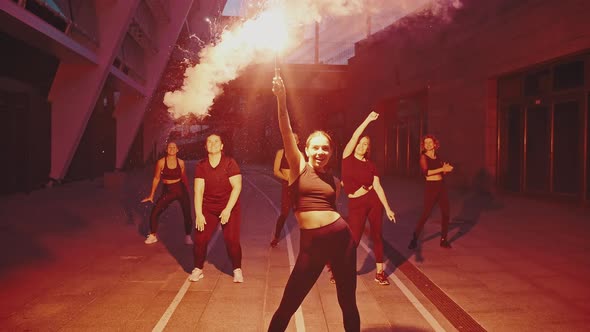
[76, 87]
[132, 107]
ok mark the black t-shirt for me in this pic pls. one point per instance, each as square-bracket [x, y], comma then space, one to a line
[427, 163]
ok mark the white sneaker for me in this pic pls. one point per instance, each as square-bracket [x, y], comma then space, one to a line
[151, 239]
[196, 275]
[238, 276]
[188, 240]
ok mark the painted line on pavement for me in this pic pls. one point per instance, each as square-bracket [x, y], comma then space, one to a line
[299, 321]
[409, 295]
[181, 292]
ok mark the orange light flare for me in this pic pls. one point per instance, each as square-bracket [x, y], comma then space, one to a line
[269, 31]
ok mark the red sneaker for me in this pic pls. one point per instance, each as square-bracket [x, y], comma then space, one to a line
[381, 278]
[274, 242]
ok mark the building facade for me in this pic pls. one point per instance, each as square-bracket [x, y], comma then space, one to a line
[79, 83]
[504, 85]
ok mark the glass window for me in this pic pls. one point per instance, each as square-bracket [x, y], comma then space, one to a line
[537, 83]
[566, 147]
[568, 75]
[588, 149]
[509, 87]
[537, 149]
[512, 149]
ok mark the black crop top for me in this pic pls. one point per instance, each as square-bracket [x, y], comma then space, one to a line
[427, 163]
[313, 191]
[171, 174]
[284, 162]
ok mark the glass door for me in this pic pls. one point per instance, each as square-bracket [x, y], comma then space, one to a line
[511, 147]
[567, 147]
[537, 149]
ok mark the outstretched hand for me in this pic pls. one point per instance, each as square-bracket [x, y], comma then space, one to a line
[148, 199]
[278, 87]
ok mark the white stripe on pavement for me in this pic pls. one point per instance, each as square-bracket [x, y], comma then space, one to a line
[410, 296]
[181, 292]
[299, 321]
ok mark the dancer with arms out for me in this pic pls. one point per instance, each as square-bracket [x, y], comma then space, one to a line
[366, 198]
[170, 170]
[325, 237]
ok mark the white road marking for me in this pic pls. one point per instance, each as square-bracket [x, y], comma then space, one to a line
[181, 292]
[299, 321]
[409, 295]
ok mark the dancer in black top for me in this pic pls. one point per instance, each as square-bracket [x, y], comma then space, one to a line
[433, 168]
[325, 236]
[170, 170]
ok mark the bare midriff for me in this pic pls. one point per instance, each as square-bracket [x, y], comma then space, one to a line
[434, 177]
[316, 219]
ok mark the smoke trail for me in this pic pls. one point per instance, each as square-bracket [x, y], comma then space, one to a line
[256, 40]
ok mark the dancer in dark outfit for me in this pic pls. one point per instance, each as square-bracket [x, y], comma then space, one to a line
[433, 168]
[325, 236]
[170, 170]
[366, 198]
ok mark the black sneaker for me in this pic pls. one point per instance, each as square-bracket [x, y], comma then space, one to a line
[413, 244]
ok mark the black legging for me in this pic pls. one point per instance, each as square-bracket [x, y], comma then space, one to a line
[285, 208]
[172, 192]
[435, 191]
[329, 244]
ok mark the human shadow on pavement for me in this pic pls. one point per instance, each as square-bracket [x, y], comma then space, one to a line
[136, 186]
[395, 328]
[24, 233]
[171, 234]
[478, 199]
[392, 232]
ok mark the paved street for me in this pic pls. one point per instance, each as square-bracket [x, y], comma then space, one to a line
[73, 259]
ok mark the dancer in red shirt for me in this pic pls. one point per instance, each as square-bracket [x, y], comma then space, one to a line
[366, 198]
[218, 184]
